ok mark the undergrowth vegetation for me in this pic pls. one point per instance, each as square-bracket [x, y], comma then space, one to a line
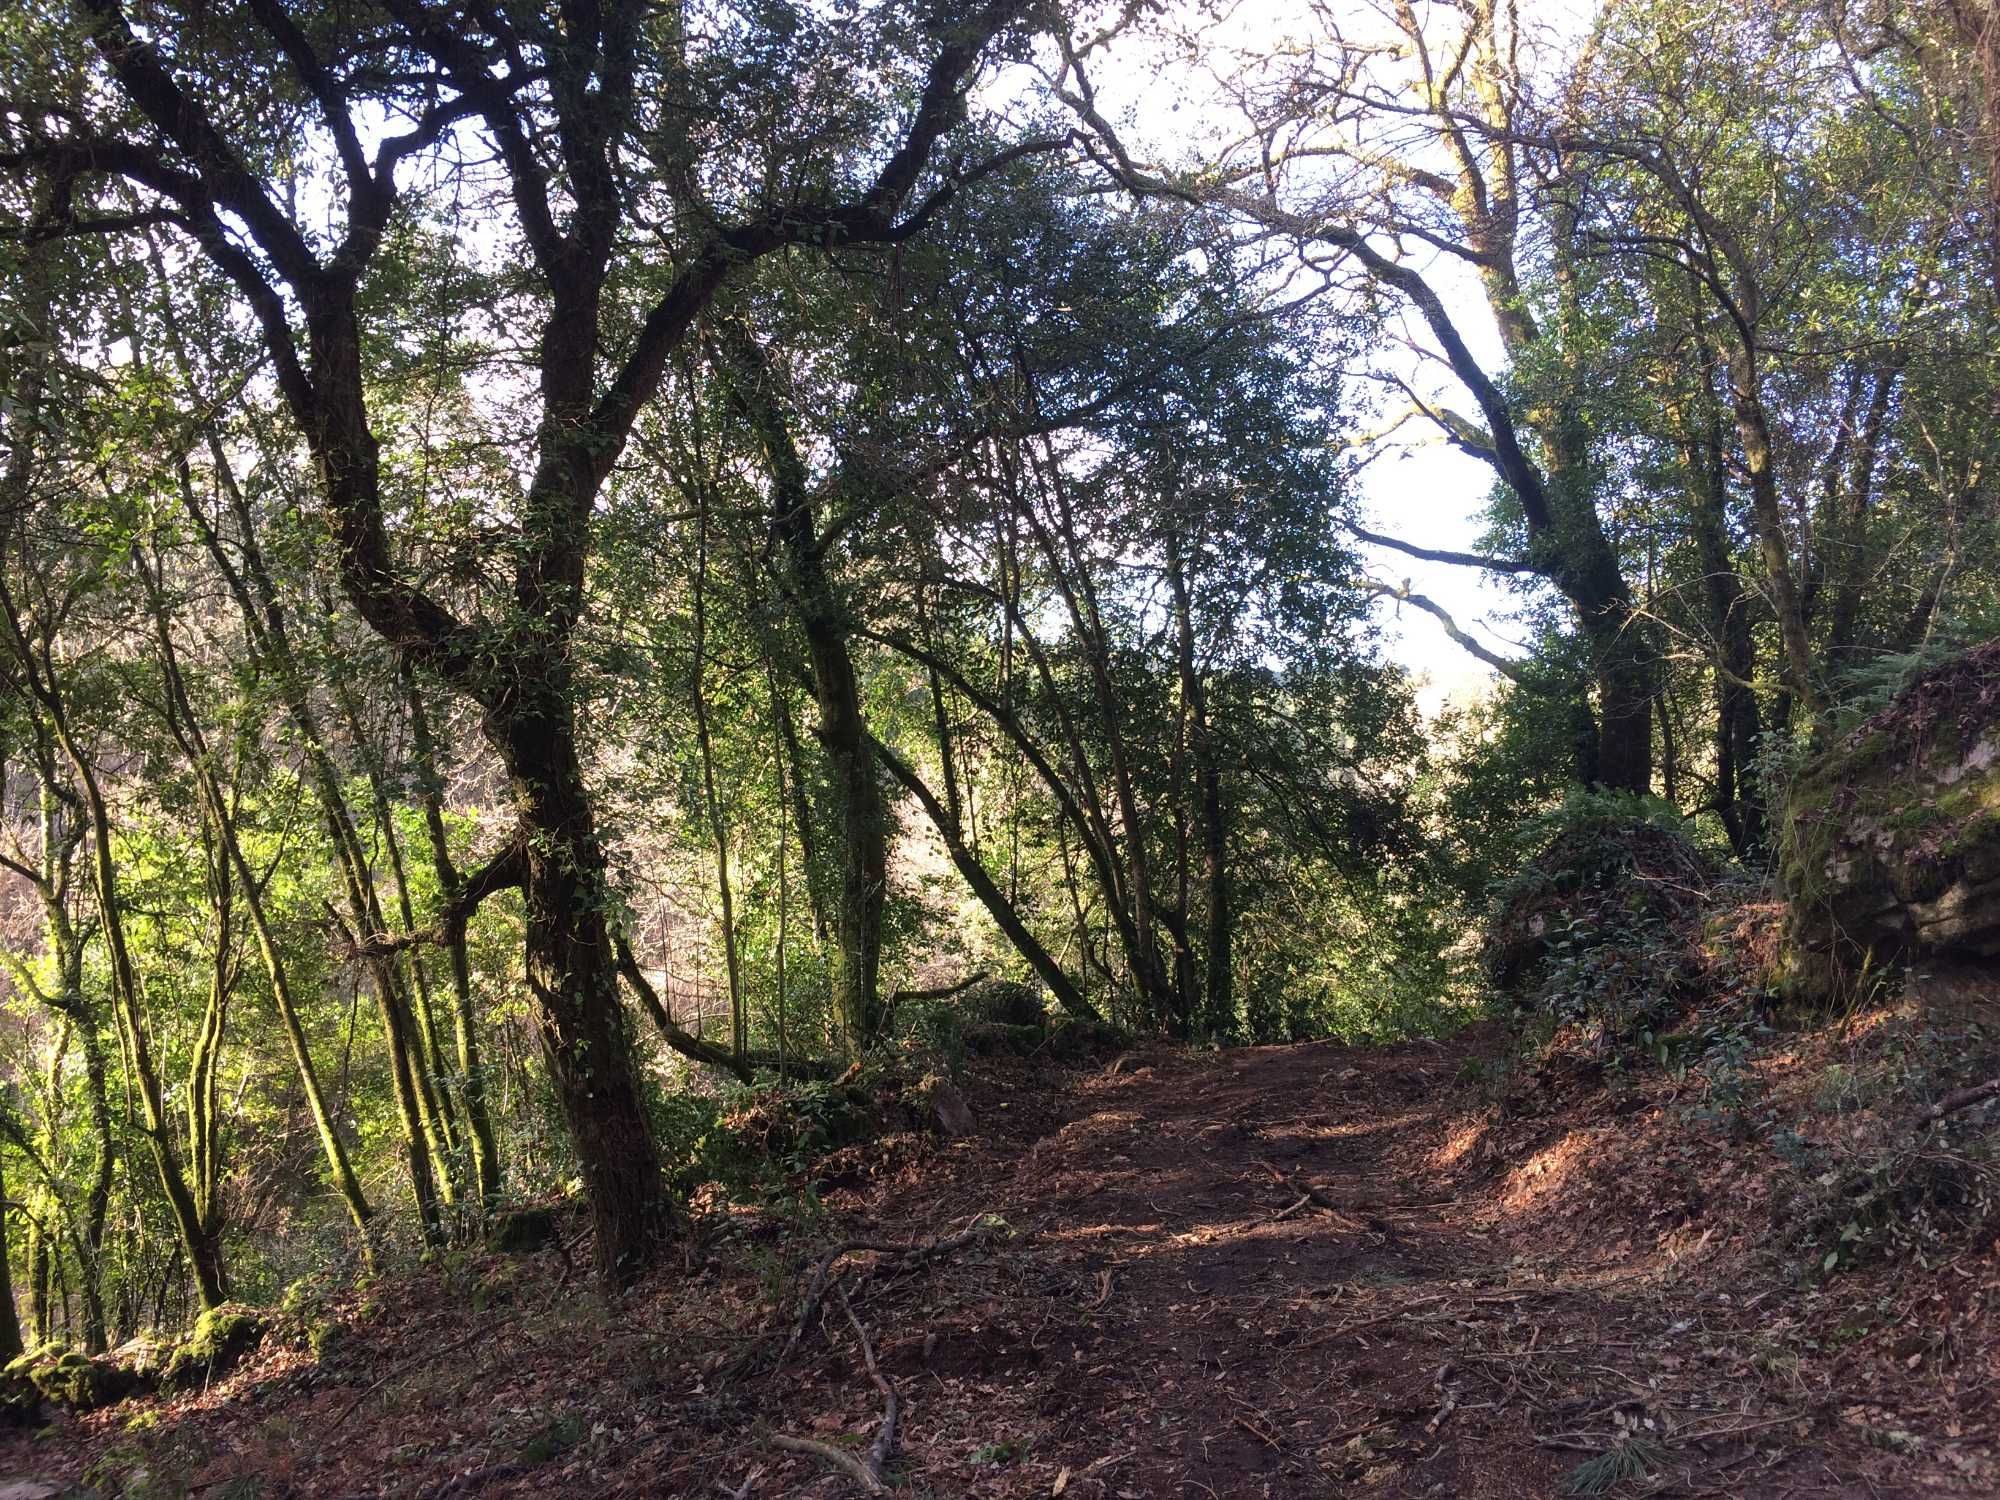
[1621, 951]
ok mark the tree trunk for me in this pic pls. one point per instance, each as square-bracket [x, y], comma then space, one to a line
[1767, 512]
[408, 1025]
[990, 895]
[10, 1322]
[65, 948]
[188, 734]
[266, 621]
[204, 1253]
[1739, 801]
[1219, 997]
[1844, 549]
[860, 814]
[718, 826]
[572, 973]
[1080, 600]
[38, 1284]
[795, 783]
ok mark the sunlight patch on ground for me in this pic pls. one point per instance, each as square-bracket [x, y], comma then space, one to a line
[1545, 1173]
[1463, 1138]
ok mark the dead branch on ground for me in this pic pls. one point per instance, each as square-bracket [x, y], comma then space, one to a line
[1320, 1200]
[1958, 1099]
[901, 1257]
[870, 1469]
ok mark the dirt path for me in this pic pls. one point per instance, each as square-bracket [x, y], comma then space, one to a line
[1174, 1321]
[1275, 1272]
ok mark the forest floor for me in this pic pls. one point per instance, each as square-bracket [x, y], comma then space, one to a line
[1310, 1270]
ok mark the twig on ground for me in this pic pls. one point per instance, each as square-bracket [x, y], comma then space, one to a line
[461, 1484]
[902, 1257]
[1283, 1213]
[1319, 1199]
[1450, 1401]
[1259, 1429]
[1375, 1322]
[884, 1447]
[838, 1459]
[563, 1250]
[1359, 1429]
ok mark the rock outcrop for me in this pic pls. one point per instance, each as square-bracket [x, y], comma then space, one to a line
[74, 1380]
[1891, 840]
[222, 1336]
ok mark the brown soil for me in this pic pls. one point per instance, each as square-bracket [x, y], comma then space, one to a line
[1468, 1302]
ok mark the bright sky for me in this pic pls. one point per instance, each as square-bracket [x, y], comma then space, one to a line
[1415, 487]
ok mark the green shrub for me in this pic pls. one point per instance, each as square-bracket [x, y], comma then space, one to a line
[1601, 924]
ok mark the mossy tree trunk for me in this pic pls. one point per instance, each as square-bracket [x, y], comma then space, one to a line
[583, 101]
[10, 1321]
[859, 813]
[217, 809]
[465, 1032]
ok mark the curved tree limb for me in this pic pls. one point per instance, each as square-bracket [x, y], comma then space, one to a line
[1439, 554]
[1500, 664]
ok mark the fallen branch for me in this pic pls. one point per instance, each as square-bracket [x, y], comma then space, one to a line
[1283, 1213]
[1319, 1200]
[1956, 1100]
[563, 1250]
[870, 1469]
[1377, 1321]
[838, 1459]
[884, 1447]
[1360, 1429]
[1449, 1403]
[902, 1257]
[1258, 1429]
[936, 992]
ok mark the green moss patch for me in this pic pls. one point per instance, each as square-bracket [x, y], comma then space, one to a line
[1890, 843]
[222, 1336]
[68, 1378]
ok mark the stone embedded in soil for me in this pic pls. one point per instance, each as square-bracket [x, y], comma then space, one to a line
[222, 1336]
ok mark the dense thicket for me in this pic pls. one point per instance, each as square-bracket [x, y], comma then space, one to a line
[553, 555]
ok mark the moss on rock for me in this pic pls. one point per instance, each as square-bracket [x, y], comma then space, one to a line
[1890, 844]
[523, 1231]
[221, 1337]
[68, 1378]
